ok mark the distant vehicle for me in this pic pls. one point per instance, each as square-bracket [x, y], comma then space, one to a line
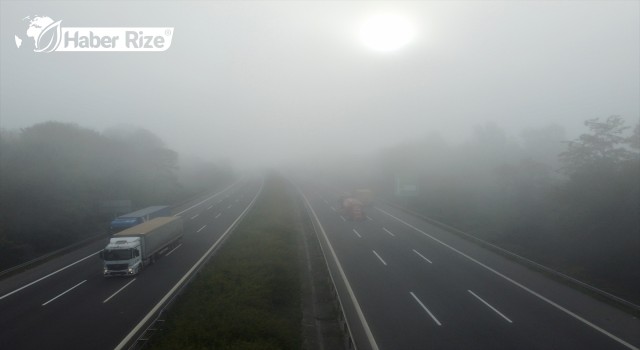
[125, 221]
[352, 209]
[130, 250]
[364, 195]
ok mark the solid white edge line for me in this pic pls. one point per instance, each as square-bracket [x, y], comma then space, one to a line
[422, 256]
[425, 309]
[389, 232]
[383, 262]
[357, 234]
[211, 197]
[557, 306]
[120, 290]
[49, 275]
[172, 250]
[65, 292]
[135, 330]
[352, 295]
[87, 257]
[201, 228]
[491, 307]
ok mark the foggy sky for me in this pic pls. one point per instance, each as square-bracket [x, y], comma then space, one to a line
[261, 82]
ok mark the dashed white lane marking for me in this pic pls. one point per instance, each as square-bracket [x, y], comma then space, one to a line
[65, 292]
[211, 197]
[422, 256]
[172, 250]
[201, 228]
[532, 292]
[491, 307]
[217, 216]
[357, 234]
[425, 309]
[49, 275]
[389, 232]
[195, 216]
[352, 296]
[119, 290]
[171, 292]
[381, 260]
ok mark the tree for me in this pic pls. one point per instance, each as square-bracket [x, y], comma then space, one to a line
[604, 147]
[53, 176]
[634, 139]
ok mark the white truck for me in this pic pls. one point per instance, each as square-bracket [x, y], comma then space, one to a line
[130, 250]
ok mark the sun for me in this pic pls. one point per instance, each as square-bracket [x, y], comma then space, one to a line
[386, 32]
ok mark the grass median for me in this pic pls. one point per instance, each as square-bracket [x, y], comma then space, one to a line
[248, 295]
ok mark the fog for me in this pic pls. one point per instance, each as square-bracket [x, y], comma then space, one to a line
[516, 122]
[264, 83]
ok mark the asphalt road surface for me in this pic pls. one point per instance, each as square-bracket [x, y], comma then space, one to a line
[404, 284]
[68, 304]
[407, 284]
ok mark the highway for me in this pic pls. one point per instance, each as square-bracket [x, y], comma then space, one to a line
[403, 283]
[68, 304]
[407, 284]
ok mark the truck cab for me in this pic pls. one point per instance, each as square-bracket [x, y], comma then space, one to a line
[122, 256]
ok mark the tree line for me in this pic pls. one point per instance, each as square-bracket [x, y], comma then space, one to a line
[573, 205]
[54, 177]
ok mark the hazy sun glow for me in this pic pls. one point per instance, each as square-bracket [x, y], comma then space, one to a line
[386, 32]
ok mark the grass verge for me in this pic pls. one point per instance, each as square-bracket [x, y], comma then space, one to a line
[248, 295]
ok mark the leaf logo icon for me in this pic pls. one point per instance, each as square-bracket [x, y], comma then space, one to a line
[49, 38]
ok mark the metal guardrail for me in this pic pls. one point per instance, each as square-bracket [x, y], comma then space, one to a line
[142, 338]
[523, 260]
[73, 246]
[139, 337]
[342, 316]
[27, 264]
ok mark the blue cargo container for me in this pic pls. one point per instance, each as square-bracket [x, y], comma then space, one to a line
[125, 221]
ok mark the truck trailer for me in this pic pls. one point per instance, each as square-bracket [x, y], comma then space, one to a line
[364, 195]
[130, 250]
[126, 221]
[352, 209]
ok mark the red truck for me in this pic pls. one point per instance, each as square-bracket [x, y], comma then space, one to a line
[352, 209]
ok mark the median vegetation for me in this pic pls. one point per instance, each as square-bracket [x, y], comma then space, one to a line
[248, 295]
